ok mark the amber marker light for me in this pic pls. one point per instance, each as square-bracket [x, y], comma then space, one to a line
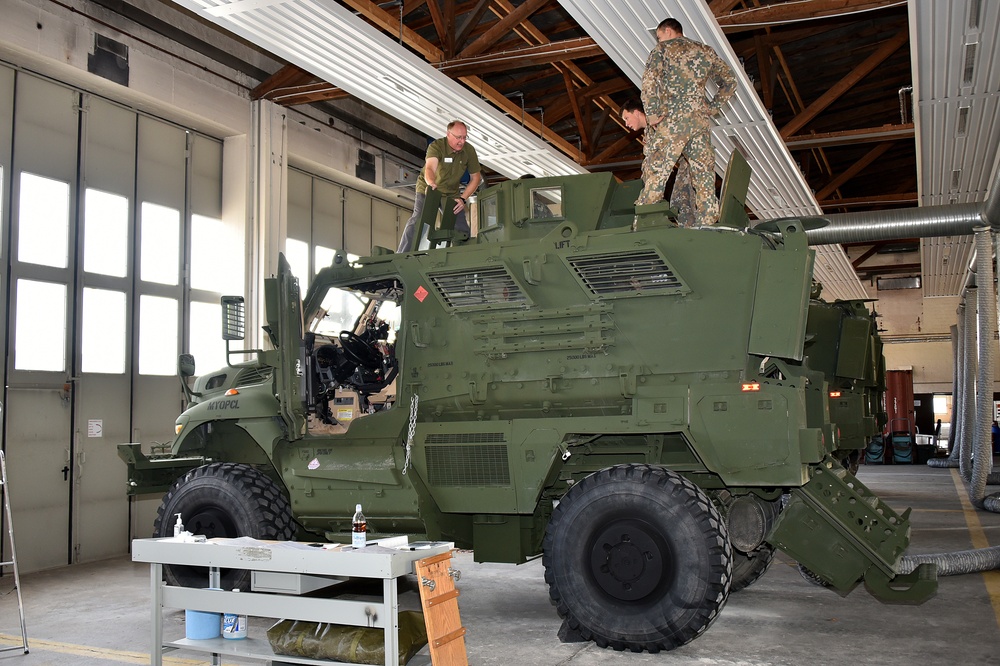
[232, 392]
[750, 386]
[177, 428]
[834, 394]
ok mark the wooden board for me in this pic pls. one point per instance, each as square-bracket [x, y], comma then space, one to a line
[439, 600]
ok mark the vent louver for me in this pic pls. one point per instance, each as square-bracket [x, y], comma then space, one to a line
[483, 465]
[969, 69]
[251, 376]
[626, 273]
[478, 288]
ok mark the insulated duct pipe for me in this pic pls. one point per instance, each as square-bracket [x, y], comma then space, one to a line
[956, 383]
[969, 389]
[987, 305]
[899, 223]
[921, 222]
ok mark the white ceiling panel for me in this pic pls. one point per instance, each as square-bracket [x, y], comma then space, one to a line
[329, 41]
[956, 85]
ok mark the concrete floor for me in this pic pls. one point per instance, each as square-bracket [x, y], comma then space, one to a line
[98, 613]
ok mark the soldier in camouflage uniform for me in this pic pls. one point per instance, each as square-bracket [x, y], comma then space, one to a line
[678, 111]
[681, 196]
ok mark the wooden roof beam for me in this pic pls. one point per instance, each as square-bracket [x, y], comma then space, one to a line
[528, 56]
[502, 28]
[850, 137]
[470, 22]
[289, 75]
[874, 200]
[862, 70]
[390, 24]
[750, 19]
[854, 169]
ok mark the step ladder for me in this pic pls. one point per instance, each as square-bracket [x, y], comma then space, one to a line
[13, 555]
[439, 600]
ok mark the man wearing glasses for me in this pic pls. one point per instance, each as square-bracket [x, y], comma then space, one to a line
[446, 162]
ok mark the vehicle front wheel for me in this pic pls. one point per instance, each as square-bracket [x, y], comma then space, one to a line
[226, 500]
[637, 557]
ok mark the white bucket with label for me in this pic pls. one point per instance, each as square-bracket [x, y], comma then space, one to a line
[234, 625]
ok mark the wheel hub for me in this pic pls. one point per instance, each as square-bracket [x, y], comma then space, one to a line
[627, 560]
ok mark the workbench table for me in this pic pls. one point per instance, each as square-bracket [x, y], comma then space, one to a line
[294, 558]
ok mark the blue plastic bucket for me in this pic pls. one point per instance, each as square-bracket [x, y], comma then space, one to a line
[199, 625]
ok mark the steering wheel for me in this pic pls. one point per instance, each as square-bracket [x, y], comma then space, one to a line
[359, 351]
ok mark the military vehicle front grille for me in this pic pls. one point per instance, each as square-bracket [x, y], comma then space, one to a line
[465, 438]
[484, 465]
[478, 288]
[250, 376]
[626, 273]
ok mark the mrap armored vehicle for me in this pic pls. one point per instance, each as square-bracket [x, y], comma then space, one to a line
[583, 380]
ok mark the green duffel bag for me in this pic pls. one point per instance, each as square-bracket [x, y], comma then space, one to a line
[355, 645]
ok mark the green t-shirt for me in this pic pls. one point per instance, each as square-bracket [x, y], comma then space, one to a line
[451, 166]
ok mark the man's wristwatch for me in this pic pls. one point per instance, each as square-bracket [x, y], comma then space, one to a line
[463, 199]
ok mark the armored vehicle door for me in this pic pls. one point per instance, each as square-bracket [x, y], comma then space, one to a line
[285, 313]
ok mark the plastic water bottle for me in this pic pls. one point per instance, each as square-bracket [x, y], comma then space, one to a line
[359, 528]
[234, 625]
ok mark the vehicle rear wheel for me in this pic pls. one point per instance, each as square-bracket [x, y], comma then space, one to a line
[749, 567]
[637, 557]
[748, 520]
[223, 500]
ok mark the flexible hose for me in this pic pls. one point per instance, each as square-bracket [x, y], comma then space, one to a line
[969, 391]
[956, 392]
[983, 453]
[953, 564]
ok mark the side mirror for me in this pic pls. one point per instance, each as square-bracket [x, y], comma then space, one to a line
[185, 365]
[233, 318]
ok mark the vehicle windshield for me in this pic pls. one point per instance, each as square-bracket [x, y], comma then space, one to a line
[350, 308]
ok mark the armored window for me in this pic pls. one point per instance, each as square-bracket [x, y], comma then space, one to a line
[618, 274]
[478, 288]
[546, 202]
[488, 212]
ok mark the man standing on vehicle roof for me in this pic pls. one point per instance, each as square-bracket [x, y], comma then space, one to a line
[682, 194]
[673, 95]
[446, 162]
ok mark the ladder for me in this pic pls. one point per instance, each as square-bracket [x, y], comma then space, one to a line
[13, 555]
[439, 600]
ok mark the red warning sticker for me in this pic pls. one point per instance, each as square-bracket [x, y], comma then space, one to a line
[421, 294]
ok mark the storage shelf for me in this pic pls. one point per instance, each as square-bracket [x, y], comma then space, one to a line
[260, 648]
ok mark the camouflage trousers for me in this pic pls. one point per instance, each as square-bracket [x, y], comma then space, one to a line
[682, 196]
[663, 148]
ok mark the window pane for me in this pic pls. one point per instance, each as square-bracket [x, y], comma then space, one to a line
[43, 221]
[206, 341]
[105, 235]
[215, 257]
[160, 251]
[297, 253]
[103, 331]
[157, 335]
[323, 257]
[40, 326]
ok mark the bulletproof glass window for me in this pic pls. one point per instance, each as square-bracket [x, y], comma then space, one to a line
[546, 202]
[488, 212]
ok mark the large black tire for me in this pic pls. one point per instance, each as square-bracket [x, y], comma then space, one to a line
[637, 557]
[223, 500]
[749, 567]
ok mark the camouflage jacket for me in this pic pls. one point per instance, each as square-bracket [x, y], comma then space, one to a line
[673, 85]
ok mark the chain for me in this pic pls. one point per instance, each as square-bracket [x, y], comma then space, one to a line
[411, 430]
